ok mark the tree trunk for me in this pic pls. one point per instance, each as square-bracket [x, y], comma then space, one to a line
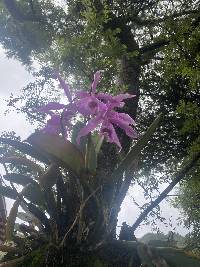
[130, 73]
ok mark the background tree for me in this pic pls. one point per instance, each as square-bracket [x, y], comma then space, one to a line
[149, 49]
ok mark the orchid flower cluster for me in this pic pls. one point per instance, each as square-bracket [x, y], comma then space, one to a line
[97, 108]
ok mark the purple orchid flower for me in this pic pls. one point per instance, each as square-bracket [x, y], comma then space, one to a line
[98, 107]
[106, 120]
[101, 105]
[64, 86]
[61, 120]
[114, 101]
[123, 121]
[53, 125]
[58, 122]
[51, 106]
[108, 131]
[92, 103]
[88, 103]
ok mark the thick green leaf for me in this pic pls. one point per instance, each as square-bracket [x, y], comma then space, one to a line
[5, 248]
[91, 156]
[29, 191]
[17, 227]
[59, 150]
[35, 221]
[34, 194]
[14, 263]
[40, 215]
[22, 161]
[49, 178]
[127, 162]
[7, 191]
[11, 220]
[83, 142]
[51, 204]
[25, 148]
[47, 181]
[27, 217]
[98, 141]
[18, 178]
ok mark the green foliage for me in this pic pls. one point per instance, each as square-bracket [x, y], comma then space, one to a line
[188, 201]
[164, 240]
[90, 156]
[18, 178]
[52, 202]
[8, 192]
[36, 259]
[11, 220]
[59, 150]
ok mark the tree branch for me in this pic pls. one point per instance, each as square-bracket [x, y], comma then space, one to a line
[153, 46]
[180, 175]
[153, 22]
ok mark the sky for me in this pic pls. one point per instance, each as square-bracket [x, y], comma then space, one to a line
[13, 77]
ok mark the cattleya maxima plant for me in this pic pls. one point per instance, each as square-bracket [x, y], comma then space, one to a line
[69, 194]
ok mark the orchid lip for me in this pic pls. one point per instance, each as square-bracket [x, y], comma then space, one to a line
[106, 131]
[93, 105]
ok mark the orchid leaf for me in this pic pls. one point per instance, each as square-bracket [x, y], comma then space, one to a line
[40, 215]
[22, 161]
[51, 204]
[98, 141]
[8, 192]
[25, 148]
[47, 181]
[49, 178]
[18, 178]
[59, 150]
[91, 156]
[27, 217]
[34, 194]
[127, 162]
[83, 142]
[11, 220]
[28, 191]
[5, 248]
[14, 263]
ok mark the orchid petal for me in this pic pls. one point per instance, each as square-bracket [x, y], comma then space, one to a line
[122, 116]
[90, 106]
[114, 101]
[121, 97]
[81, 94]
[109, 132]
[97, 77]
[87, 106]
[104, 96]
[92, 124]
[65, 87]
[51, 106]
[128, 129]
[53, 125]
